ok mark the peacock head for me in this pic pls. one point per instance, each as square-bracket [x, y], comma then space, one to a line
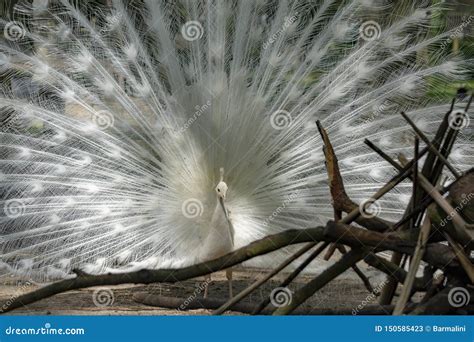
[221, 188]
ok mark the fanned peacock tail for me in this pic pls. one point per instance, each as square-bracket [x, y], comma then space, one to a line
[116, 120]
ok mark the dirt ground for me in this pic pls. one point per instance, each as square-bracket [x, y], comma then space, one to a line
[345, 292]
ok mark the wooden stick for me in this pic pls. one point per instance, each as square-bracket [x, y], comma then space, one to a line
[227, 305]
[462, 257]
[321, 280]
[435, 253]
[340, 200]
[393, 270]
[293, 275]
[458, 222]
[358, 271]
[415, 180]
[425, 202]
[432, 173]
[414, 266]
[330, 252]
[432, 148]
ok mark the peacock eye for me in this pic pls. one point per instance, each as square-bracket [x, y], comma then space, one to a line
[218, 190]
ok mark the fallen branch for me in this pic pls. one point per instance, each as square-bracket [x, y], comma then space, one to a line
[248, 308]
[182, 304]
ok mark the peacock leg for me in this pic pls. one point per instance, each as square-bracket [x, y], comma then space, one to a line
[228, 274]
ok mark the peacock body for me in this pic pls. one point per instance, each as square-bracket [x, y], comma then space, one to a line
[117, 119]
